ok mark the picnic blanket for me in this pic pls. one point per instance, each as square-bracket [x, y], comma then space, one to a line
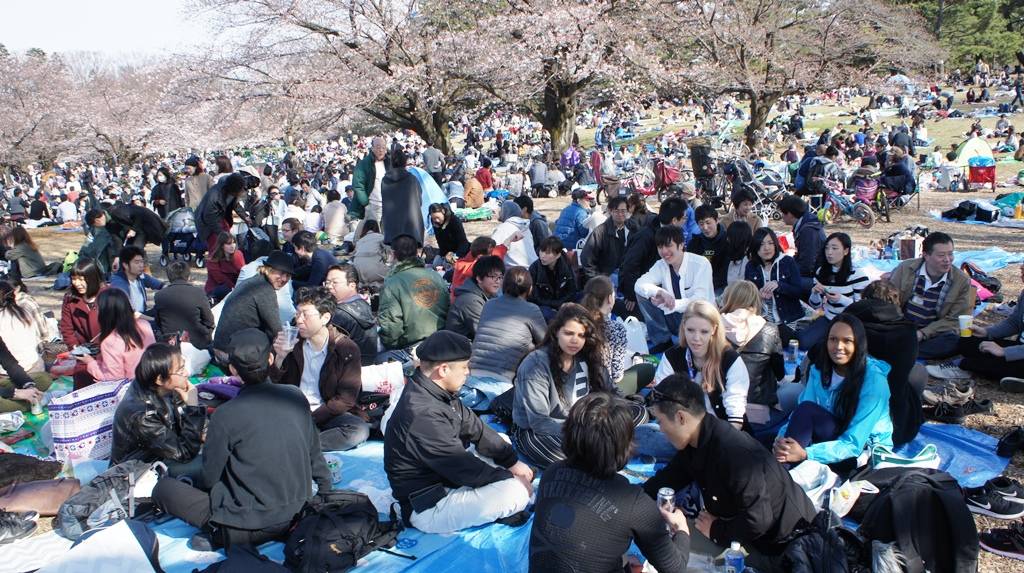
[989, 260]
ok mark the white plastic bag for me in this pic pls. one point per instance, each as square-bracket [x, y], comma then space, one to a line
[195, 360]
[636, 335]
[383, 378]
[816, 479]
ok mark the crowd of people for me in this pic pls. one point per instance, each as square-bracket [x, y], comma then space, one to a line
[361, 259]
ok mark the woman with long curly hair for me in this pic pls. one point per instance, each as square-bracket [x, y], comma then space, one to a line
[567, 366]
[705, 354]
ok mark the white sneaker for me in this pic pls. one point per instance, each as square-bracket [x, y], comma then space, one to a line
[947, 371]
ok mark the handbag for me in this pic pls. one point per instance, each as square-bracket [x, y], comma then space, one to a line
[883, 457]
[83, 421]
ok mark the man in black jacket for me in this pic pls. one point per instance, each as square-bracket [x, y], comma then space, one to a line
[441, 486]
[642, 253]
[603, 251]
[246, 497]
[183, 307]
[711, 245]
[354, 315]
[809, 236]
[748, 496]
[401, 202]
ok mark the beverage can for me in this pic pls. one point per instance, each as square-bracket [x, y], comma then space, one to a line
[794, 350]
[667, 498]
[37, 407]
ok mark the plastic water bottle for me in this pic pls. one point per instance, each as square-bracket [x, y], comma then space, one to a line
[734, 558]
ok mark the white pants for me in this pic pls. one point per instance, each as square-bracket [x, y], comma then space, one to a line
[468, 507]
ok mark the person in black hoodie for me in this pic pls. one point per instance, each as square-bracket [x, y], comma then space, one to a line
[642, 253]
[748, 496]
[401, 202]
[711, 244]
[554, 282]
[893, 339]
[244, 497]
[353, 315]
[183, 307]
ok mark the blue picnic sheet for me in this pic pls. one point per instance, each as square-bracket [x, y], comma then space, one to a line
[966, 454]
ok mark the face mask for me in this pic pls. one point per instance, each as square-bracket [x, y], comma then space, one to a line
[161, 179]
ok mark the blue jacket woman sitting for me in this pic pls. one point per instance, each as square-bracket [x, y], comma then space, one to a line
[777, 277]
[845, 406]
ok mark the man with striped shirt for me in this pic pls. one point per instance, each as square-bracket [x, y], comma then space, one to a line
[933, 293]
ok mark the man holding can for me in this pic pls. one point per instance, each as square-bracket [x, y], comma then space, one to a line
[749, 497]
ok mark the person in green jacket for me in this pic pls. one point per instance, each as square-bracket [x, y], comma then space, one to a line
[366, 199]
[413, 302]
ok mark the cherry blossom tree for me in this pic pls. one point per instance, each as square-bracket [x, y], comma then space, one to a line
[763, 50]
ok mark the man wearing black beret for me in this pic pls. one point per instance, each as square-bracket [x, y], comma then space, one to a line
[441, 486]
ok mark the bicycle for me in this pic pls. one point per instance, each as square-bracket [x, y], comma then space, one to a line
[836, 204]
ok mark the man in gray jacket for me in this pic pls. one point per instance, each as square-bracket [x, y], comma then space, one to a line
[470, 296]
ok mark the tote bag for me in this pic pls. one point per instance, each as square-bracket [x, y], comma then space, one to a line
[83, 421]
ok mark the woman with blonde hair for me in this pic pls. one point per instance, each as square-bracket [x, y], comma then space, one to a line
[705, 354]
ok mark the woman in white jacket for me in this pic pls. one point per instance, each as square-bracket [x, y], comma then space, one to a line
[705, 354]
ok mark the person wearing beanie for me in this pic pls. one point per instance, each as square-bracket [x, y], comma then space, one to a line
[243, 497]
[443, 487]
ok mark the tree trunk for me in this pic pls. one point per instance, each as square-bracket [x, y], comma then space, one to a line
[760, 106]
[559, 117]
[940, 13]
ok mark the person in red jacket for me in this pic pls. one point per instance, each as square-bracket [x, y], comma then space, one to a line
[484, 175]
[223, 266]
[79, 314]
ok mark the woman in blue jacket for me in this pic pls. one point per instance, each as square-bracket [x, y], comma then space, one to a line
[777, 277]
[845, 406]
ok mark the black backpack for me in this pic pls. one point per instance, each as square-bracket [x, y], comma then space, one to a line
[923, 511]
[331, 536]
[107, 499]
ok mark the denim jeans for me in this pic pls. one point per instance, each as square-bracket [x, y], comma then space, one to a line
[939, 347]
[661, 327]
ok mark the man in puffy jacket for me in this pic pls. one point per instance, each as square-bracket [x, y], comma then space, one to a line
[353, 315]
[413, 301]
[571, 225]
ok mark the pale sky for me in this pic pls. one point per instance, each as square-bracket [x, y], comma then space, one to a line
[112, 27]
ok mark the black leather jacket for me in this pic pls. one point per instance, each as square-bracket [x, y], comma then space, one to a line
[762, 355]
[150, 427]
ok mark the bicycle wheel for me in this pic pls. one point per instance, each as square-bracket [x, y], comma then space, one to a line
[864, 216]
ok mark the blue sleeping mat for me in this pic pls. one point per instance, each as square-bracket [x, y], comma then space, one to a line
[967, 454]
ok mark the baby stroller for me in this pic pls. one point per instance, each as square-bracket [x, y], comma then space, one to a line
[182, 239]
[767, 191]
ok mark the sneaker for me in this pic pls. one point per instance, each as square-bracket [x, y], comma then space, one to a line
[1005, 542]
[948, 392]
[1010, 489]
[1006, 309]
[986, 501]
[947, 371]
[1011, 443]
[978, 407]
[14, 526]
[945, 413]
[1012, 385]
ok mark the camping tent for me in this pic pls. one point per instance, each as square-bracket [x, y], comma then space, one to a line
[973, 147]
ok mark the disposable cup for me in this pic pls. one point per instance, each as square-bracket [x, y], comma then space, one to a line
[965, 321]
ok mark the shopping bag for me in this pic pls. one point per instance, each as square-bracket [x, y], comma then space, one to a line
[636, 335]
[383, 378]
[82, 421]
[196, 360]
[816, 479]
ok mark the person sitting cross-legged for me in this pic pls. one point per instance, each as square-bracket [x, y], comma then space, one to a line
[933, 293]
[441, 486]
[326, 365]
[261, 456]
[470, 297]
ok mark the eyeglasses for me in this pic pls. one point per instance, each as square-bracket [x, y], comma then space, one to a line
[307, 315]
[620, 211]
[494, 277]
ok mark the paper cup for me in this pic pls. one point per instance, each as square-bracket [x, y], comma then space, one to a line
[965, 321]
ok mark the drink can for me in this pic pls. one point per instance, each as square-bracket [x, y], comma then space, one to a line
[794, 350]
[37, 407]
[667, 498]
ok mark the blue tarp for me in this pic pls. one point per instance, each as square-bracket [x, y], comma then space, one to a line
[989, 260]
[966, 454]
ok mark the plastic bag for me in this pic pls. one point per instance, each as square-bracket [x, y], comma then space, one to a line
[636, 335]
